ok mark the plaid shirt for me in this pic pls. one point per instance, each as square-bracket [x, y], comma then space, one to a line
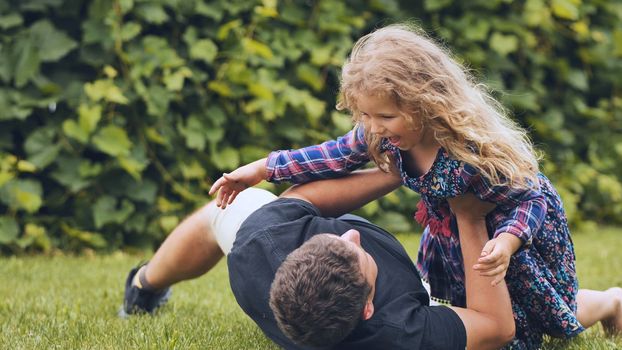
[519, 211]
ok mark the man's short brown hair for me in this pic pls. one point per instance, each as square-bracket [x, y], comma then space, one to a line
[319, 292]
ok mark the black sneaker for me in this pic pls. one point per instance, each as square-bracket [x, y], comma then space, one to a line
[137, 301]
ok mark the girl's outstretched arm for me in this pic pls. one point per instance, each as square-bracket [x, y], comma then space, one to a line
[327, 160]
[230, 185]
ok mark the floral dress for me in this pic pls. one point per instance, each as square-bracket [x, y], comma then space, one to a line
[541, 277]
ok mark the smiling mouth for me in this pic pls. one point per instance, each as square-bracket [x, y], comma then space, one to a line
[395, 140]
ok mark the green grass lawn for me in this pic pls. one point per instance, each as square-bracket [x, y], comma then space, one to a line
[66, 302]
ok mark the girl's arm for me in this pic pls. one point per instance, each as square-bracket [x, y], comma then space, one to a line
[521, 213]
[327, 160]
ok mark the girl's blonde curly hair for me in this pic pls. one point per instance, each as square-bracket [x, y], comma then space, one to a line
[433, 91]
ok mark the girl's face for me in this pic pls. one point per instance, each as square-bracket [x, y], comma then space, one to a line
[382, 117]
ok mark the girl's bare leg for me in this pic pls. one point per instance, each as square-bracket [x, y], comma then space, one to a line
[603, 306]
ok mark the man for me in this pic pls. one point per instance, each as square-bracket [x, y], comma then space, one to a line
[382, 303]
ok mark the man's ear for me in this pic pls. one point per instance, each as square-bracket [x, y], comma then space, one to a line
[368, 310]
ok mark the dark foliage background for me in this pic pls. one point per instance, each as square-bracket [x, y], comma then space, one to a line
[116, 115]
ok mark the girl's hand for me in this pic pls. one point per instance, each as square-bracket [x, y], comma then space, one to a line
[495, 257]
[231, 184]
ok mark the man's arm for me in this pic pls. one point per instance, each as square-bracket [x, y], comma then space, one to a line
[336, 197]
[488, 317]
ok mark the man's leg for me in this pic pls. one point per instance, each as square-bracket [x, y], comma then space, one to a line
[604, 306]
[188, 252]
[191, 250]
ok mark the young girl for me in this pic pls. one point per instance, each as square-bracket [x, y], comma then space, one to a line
[417, 113]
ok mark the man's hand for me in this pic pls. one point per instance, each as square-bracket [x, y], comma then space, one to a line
[495, 257]
[231, 184]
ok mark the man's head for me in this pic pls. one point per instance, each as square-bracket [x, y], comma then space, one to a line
[323, 289]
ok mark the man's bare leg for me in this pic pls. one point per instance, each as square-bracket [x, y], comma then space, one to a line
[188, 252]
[603, 306]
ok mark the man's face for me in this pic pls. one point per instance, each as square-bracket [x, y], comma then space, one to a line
[369, 269]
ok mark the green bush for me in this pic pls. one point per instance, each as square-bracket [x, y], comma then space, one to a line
[116, 115]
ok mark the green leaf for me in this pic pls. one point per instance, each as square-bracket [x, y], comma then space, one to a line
[578, 79]
[73, 130]
[226, 159]
[105, 89]
[223, 31]
[204, 50]
[52, 43]
[342, 122]
[311, 76]
[175, 81]
[93, 239]
[41, 148]
[11, 20]
[133, 166]
[617, 42]
[28, 61]
[89, 116]
[220, 87]
[566, 9]
[260, 90]
[37, 236]
[477, 31]
[89, 169]
[6, 175]
[144, 191]
[126, 5]
[503, 44]
[113, 140]
[106, 210]
[322, 55]
[254, 47]
[9, 230]
[168, 222]
[157, 99]
[152, 13]
[22, 194]
[193, 170]
[193, 131]
[130, 30]
[66, 174]
[435, 5]
[536, 14]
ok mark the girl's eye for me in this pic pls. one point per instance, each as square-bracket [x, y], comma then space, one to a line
[388, 117]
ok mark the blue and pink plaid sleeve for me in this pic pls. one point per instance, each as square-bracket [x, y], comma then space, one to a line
[520, 212]
[327, 160]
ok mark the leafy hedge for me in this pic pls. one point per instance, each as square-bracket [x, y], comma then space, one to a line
[116, 115]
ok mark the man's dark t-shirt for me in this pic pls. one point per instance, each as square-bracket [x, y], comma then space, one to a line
[401, 319]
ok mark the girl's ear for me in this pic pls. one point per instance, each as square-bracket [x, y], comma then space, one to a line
[368, 310]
